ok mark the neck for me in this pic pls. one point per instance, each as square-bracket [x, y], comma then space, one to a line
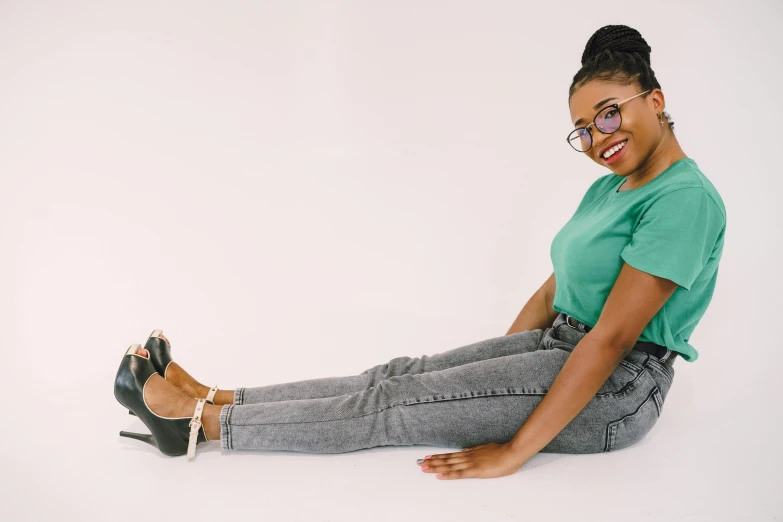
[667, 152]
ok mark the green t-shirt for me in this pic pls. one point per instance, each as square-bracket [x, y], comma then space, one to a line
[671, 227]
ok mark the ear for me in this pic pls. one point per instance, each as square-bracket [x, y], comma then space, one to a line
[658, 101]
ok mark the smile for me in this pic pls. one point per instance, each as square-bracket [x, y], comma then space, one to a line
[615, 153]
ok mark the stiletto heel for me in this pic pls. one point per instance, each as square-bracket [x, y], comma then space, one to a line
[139, 436]
[169, 434]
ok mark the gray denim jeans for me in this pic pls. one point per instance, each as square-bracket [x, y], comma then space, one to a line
[478, 393]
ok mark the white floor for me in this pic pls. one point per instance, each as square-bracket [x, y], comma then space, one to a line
[714, 455]
[294, 190]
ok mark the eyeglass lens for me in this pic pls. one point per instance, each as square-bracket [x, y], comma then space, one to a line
[607, 121]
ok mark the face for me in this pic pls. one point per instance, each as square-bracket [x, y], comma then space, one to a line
[640, 125]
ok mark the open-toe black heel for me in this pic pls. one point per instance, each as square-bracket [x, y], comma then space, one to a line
[173, 436]
[159, 349]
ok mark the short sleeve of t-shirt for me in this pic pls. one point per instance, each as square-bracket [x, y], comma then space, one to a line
[675, 236]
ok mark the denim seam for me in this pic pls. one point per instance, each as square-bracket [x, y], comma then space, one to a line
[443, 398]
[662, 368]
[225, 428]
[652, 395]
[557, 331]
[435, 398]
[631, 366]
[611, 428]
[658, 401]
[228, 423]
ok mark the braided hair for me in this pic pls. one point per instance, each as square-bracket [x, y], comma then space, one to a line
[619, 54]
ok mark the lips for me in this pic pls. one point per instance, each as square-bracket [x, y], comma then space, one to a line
[601, 154]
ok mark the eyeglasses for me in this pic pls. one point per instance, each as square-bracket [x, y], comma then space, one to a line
[608, 120]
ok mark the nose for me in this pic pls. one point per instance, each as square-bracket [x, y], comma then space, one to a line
[600, 143]
[597, 144]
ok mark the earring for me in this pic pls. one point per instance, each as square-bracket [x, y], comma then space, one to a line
[660, 120]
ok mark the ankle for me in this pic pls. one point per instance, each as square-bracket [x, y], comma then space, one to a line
[224, 397]
[182, 380]
[194, 389]
[211, 421]
[165, 399]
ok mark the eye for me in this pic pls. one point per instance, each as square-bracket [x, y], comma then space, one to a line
[611, 113]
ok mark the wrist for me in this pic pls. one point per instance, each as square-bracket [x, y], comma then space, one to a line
[525, 443]
[520, 449]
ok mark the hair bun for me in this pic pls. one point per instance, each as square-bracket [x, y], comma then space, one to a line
[616, 38]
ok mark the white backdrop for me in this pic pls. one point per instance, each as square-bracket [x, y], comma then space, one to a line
[301, 189]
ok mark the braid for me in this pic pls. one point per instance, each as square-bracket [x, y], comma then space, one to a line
[617, 53]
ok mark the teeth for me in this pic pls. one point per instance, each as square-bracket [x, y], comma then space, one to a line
[614, 149]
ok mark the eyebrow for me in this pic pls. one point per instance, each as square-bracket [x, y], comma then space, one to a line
[595, 108]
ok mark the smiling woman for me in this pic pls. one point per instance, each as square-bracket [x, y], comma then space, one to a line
[586, 366]
[656, 211]
[616, 80]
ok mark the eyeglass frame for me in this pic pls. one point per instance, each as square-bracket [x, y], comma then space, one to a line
[616, 105]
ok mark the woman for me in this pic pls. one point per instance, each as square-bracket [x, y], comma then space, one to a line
[587, 364]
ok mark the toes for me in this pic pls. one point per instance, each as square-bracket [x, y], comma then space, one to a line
[141, 351]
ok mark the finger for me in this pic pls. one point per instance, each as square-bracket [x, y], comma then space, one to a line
[458, 474]
[436, 467]
[448, 455]
[434, 460]
[438, 455]
[442, 455]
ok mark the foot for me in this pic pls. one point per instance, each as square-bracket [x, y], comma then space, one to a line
[166, 400]
[176, 375]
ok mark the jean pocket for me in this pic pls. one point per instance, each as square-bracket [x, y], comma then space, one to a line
[663, 374]
[622, 380]
[632, 428]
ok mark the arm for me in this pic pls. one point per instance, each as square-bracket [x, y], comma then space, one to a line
[537, 312]
[635, 298]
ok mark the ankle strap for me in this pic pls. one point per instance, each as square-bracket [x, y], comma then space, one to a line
[211, 394]
[195, 424]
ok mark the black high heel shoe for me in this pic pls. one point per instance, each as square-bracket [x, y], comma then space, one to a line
[160, 353]
[169, 434]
